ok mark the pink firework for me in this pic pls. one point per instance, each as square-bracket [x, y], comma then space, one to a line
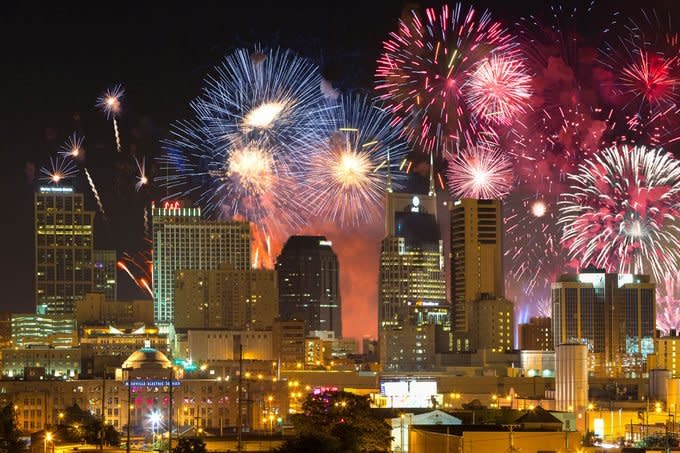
[621, 212]
[668, 304]
[652, 79]
[479, 172]
[499, 89]
[424, 67]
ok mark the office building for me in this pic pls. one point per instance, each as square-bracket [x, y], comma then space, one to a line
[226, 298]
[46, 330]
[94, 308]
[536, 335]
[182, 240]
[217, 345]
[105, 279]
[308, 283]
[494, 327]
[666, 355]
[40, 360]
[412, 286]
[476, 263]
[63, 249]
[614, 314]
[5, 330]
[288, 343]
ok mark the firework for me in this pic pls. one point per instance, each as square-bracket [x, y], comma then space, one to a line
[263, 94]
[242, 154]
[95, 192]
[498, 89]
[109, 103]
[350, 164]
[668, 304]
[479, 172]
[73, 147]
[620, 213]
[58, 170]
[423, 69]
[142, 180]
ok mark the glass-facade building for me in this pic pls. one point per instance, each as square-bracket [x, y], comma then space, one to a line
[64, 241]
[613, 314]
[183, 240]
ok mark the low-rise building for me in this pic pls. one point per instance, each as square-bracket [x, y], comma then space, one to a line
[56, 362]
[210, 345]
[96, 309]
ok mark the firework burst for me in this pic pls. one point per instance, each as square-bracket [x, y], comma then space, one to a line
[73, 147]
[264, 94]
[479, 172]
[499, 89]
[109, 103]
[423, 69]
[142, 180]
[352, 160]
[59, 170]
[621, 212]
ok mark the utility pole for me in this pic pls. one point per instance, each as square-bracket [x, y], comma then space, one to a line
[511, 439]
[101, 432]
[129, 407]
[239, 415]
[172, 378]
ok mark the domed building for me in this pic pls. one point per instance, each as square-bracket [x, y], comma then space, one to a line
[147, 358]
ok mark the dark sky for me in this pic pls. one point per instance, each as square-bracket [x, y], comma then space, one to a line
[56, 59]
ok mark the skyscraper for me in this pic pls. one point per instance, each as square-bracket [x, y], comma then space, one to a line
[226, 298]
[614, 314]
[308, 283]
[476, 256]
[63, 249]
[105, 280]
[183, 240]
[412, 289]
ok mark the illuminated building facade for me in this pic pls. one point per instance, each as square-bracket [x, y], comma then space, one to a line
[308, 283]
[666, 355]
[412, 288]
[105, 280]
[494, 326]
[226, 298]
[63, 249]
[614, 314]
[47, 330]
[41, 360]
[536, 335]
[182, 240]
[476, 263]
[94, 308]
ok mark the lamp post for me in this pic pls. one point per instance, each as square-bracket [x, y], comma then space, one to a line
[48, 438]
[401, 445]
[129, 407]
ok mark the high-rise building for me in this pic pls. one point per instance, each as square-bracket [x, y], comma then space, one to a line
[105, 279]
[492, 318]
[536, 335]
[226, 298]
[63, 249]
[182, 240]
[476, 262]
[614, 314]
[412, 288]
[308, 283]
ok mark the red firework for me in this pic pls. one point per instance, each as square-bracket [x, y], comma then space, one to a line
[423, 69]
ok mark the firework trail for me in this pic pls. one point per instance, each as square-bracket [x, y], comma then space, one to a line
[109, 103]
[422, 72]
[58, 170]
[499, 89]
[95, 192]
[349, 164]
[621, 212]
[479, 172]
[73, 147]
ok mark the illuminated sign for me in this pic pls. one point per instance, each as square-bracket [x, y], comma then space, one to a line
[409, 393]
[56, 189]
[171, 205]
[594, 279]
[326, 243]
[415, 202]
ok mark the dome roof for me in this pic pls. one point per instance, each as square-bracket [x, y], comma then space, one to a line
[147, 358]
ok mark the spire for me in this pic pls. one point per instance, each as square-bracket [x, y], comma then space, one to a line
[431, 191]
[388, 183]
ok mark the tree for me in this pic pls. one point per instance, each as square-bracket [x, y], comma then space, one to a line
[190, 445]
[9, 432]
[311, 442]
[345, 417]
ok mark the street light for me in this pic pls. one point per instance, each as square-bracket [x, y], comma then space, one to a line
[48, 438]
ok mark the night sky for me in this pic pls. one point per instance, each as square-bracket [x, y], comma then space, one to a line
[56, 60]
